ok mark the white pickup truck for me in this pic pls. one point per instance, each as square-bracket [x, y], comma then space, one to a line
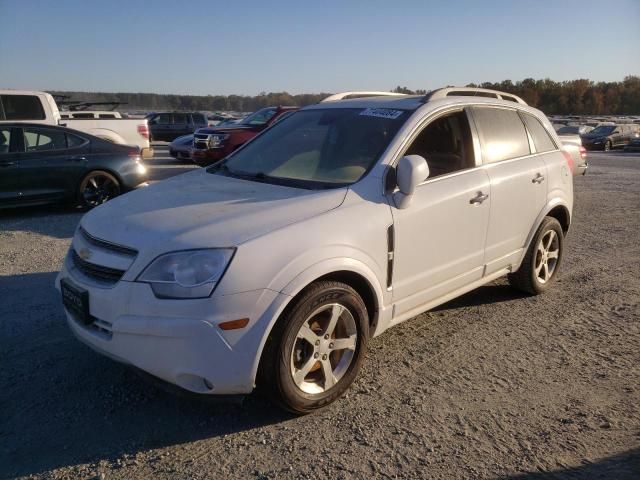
[40, 107]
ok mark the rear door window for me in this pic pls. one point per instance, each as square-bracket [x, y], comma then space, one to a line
[5, 140]
[22, 107]
[541, 138]
[41, 140]
[180, 118]
[502, 134]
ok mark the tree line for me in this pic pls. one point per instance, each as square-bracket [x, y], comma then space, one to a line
[578, 97]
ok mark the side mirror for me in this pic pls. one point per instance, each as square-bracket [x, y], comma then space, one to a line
[412, 170]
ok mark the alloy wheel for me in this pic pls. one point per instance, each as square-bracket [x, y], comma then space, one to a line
[324, 348]
[98, 188]
[547, 255]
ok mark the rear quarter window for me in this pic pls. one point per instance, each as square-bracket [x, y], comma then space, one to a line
[541, 138]
[502, 134]
[22, 107]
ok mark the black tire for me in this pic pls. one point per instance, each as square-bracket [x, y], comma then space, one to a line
[527, 278]
[275, 376]
[97, 187]
[607, 145]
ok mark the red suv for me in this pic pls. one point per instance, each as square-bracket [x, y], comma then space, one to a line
[213, 144]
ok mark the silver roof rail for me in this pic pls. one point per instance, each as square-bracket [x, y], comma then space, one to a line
[344, 95]
[471, 92]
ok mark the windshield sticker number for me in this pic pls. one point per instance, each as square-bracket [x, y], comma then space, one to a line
[382, 113]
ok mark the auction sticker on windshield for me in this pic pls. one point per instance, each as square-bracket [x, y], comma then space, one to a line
[382, 113]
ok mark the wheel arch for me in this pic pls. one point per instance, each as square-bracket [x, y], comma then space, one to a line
[355, 275]
[557, 209]
[93, 169]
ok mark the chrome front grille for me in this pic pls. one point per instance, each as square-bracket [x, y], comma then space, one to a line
[96, 242]
[96, 272]
[201, 141]
[99, 260]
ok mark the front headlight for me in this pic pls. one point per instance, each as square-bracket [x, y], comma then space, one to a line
[217, 140]
[187, 274]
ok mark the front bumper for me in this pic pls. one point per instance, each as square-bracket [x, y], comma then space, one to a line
[207, 157]
[146, 153]
[178, 341]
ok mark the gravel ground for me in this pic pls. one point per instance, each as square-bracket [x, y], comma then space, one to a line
[491, 385]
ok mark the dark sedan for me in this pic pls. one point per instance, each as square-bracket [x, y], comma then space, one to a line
[45, 164]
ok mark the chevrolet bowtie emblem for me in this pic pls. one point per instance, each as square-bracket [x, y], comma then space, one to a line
[84, 253]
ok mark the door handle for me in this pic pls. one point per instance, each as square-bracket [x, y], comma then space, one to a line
[7, 164]
[479, 198]
[538, 178]
[77, 158]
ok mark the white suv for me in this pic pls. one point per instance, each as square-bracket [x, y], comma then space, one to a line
[275, 266]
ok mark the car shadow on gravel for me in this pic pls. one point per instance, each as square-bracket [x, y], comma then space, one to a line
[63, 404]
[58, 221]
[625, 466]
[487, 294]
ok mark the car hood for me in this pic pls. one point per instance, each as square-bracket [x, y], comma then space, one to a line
[592, 137]
[203, 210]
[227, 129]
[183, 140]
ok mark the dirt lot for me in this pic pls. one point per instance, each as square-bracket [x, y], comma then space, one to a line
[491, 385]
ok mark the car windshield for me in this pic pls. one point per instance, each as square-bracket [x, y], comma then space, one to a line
[602, 130]
[319, 148]
[260, 117]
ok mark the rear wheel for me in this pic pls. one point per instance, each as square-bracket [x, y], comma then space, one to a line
[97, 188]
[542, 260]
[315, 350]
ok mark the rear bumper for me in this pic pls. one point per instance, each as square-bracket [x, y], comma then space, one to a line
[582, 169]
[146, 153]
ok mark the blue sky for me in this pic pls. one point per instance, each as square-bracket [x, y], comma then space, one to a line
[245, 47]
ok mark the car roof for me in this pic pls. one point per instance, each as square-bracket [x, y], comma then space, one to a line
[413, 102]
[409, 102]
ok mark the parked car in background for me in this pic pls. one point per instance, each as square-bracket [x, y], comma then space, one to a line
[90, 114]
[573, 145]
[633, 146]
[574, 130]
[180, 148]
[278, 265]
[40, 107]
[43, 164]
[608, 137]
[168, 126]
[216, 119]
[213, 144]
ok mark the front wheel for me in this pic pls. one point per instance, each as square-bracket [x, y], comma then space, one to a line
[542, 260]
[316, 348]
[97, 188]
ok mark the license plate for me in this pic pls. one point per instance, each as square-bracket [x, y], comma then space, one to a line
[76, 300]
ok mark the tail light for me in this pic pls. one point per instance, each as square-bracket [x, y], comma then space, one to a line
[567, 157]
[583, 153]
[143, 130]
